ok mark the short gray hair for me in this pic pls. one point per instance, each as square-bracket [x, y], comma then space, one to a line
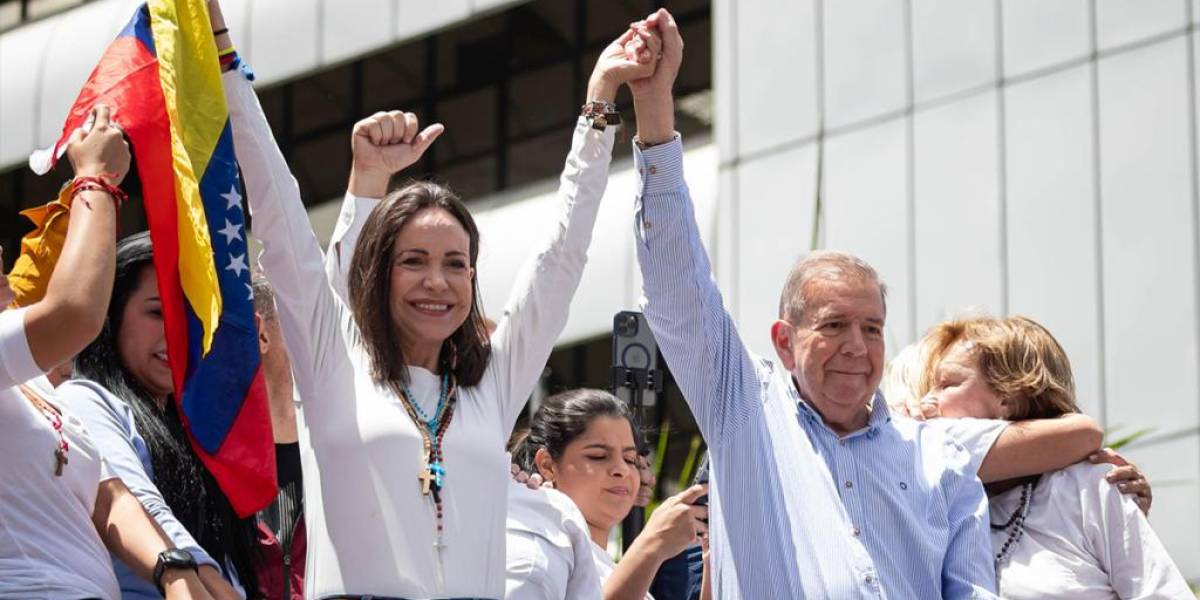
[829, 265]
[264, 296]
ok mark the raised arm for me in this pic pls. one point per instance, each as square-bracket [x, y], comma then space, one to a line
[383, 144]
[537, 309]
[691, 325]
[310, 314]
[71, 313]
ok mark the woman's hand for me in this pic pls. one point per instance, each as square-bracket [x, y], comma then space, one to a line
[923, 408]
[386, 143]
[100, 151]
[632, 56]
[676, 523]
[1128, 478]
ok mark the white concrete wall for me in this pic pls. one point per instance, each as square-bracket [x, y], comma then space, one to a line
[1037, 158]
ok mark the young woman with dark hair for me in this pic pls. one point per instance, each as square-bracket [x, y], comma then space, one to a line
[582, 443]
[405, 401]
[61, 504]
[122, 391]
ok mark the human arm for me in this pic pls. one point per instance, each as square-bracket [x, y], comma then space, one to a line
[129, 533]
[383, 144]
[109, 422]
[684, 307]
[1040, 445]
[538, 306]
[72, 312]
[672, 527]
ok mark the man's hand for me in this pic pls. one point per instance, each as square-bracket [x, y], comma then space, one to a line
[646, 489]
[383, 144]
[100, 151]
[629, 57]
[1128, 478]
[652, 95]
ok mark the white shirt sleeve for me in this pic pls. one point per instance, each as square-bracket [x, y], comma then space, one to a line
[535, 569]
[16, 359]
[976, 436]
[353, 215]
[549, 548]
[1119, 536]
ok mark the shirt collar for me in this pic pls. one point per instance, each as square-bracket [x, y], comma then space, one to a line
[880, 414]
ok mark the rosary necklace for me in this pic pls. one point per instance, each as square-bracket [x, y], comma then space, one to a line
[432, 476]
[54, 417]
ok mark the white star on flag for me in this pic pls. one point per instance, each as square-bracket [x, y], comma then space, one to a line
[250, 289]
[237, 264]
[233, 198]
[231, 232]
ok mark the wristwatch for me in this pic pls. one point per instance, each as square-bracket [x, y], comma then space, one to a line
[601, 114]
[172, 559]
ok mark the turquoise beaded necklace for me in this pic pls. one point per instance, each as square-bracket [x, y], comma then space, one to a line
[432, 476]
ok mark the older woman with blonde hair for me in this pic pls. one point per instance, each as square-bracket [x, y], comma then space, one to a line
[1064, 533]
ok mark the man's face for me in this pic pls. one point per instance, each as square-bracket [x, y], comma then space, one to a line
[835, 352]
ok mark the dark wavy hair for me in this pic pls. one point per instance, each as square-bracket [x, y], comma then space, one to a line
[563, 417]
[467, 351]
[187, 487]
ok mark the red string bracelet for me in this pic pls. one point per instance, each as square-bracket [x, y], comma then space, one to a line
[86, 184]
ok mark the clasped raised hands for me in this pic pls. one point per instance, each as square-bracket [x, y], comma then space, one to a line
[385, 143]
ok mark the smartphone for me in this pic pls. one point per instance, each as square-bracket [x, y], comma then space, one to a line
[634, 349]
[701, 477]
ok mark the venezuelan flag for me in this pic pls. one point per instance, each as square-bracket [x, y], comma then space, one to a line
[163, 77]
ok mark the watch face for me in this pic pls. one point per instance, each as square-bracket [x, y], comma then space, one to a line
[177, 558]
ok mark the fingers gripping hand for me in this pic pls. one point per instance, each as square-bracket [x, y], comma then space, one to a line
[100, 151]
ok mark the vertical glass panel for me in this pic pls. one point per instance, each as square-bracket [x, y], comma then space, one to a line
[1148, 238]
[1041, 34]
[775, 74]
[775, 214]
[954, 46]
[865, 74]
[866, 213]
[1052, 223]
[1124, 21]
[957, 210]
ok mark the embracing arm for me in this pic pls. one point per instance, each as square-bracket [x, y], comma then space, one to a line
[1040, 445]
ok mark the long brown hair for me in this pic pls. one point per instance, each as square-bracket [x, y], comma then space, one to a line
[467, 351]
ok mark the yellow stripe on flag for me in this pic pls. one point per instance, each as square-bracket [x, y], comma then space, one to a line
[195, 102]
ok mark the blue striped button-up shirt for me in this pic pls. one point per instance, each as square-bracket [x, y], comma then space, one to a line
[910, 520]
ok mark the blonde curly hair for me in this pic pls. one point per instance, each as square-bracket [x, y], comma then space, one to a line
[1019, 359]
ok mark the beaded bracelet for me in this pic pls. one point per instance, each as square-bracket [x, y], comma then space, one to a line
[98, 184]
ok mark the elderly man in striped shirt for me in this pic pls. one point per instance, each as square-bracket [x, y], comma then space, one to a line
[816, 491]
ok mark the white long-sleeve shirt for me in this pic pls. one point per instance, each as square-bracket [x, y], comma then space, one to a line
[370, 530]
[1083, 539]
[549, 554]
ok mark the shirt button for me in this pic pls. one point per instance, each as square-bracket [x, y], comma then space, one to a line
[854, 531]
[653, 170]
[647, 224]
[841, 442]
[868, 578]
[849, 484]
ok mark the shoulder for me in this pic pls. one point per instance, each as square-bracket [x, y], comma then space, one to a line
[940, 452]
[92, 400]
[545, 513]
[1087, 478]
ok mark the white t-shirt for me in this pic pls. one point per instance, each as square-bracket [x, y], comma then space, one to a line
[605, 565]
[49, 547]
[549, 550]
[1083, 540]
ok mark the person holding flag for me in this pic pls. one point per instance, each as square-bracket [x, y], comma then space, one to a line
[60, 502]
[406, 402]
[172, 389]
